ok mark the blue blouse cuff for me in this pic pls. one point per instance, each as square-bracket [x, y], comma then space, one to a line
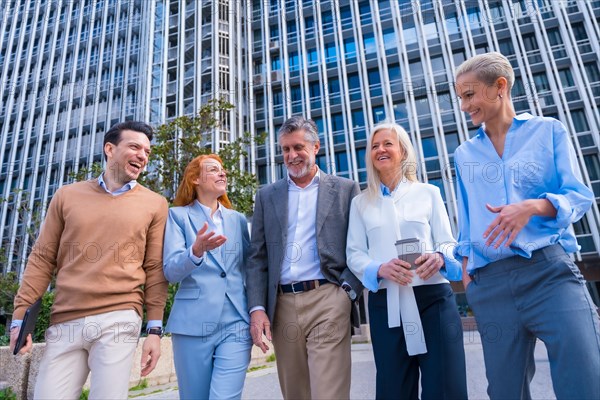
[462, 249]
[564, 211]
[452, 269]
[370, 279]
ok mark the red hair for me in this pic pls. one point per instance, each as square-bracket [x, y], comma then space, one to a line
[186, 192]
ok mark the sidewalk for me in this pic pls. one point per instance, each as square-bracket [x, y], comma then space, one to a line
[263, 384]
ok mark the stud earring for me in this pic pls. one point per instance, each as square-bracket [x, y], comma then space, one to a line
[499, 95]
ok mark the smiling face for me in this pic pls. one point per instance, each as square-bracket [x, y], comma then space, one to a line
[480, 100]
[127, 159]
[212, 181]
[299, 154]
[386, 153]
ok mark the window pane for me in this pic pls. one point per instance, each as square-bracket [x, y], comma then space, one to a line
[429, 147]
[369, 42]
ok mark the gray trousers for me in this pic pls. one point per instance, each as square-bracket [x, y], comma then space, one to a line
[517, 300]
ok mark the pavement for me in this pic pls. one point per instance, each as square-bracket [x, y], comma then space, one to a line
[262, 384]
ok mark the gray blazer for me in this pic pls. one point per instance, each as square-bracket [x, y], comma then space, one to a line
[202, 290]
[269, 237]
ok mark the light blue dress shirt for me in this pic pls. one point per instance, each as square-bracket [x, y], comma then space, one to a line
[126, 187]
[538, 162]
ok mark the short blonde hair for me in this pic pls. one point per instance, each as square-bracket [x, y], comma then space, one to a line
[408, 170]
[488, 68]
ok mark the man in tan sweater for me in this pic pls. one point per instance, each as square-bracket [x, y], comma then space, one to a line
[102, 239]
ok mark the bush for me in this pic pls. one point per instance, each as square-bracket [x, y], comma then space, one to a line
[9, 284]
[170, 299]
[85, 394]
[43, 321]
[7, 394]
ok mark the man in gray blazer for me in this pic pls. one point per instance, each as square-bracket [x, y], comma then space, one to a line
[298, 286]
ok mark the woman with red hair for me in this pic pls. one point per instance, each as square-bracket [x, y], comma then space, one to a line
[205, 252]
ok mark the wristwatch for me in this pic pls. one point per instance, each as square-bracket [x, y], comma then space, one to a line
[156, 331]
[349, 291]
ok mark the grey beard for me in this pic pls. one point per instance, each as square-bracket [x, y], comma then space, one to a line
[303, 172]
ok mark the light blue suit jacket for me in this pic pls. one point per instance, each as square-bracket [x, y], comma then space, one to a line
[203, 288]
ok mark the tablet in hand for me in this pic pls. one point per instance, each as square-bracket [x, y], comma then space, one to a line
[28, 325]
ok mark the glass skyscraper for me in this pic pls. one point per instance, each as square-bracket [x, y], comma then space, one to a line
[68, 71]
[71, 68]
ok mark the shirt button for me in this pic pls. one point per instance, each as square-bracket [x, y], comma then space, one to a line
[223, 274]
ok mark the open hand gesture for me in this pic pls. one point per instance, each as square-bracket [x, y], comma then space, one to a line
[206, 241]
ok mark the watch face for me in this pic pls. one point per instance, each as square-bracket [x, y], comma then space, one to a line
[155, 331]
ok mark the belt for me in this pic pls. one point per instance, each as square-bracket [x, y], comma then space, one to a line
[304, 286]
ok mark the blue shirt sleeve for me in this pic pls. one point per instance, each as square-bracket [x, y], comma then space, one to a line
[452, 269]
[154, 323]
[16, 323]
[573, 198]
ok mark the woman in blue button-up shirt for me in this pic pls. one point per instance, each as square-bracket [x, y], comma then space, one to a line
[519, 190]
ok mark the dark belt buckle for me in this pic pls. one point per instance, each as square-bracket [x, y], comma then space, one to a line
[294, 288]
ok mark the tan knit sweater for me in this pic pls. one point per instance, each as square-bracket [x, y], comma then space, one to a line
[105, 250]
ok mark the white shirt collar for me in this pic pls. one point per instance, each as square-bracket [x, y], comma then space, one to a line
[315, 180]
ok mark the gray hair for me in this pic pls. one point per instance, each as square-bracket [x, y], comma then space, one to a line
[488, 68]
[296, 123]
[407, 171]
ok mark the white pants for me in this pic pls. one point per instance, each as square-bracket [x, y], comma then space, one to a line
[102, 344]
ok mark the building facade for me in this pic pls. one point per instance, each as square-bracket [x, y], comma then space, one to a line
[198, 52]
[70, 69]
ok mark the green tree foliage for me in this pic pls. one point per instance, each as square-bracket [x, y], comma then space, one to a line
[85, 173]
[43, 321]
[8, 289]
[7, 394]
[184, 138]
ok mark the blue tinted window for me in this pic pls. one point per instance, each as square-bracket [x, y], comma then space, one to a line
[369, 42]
[429, 147]
[378, 114]
[275, 63]
[337, 122]
[341, 161]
